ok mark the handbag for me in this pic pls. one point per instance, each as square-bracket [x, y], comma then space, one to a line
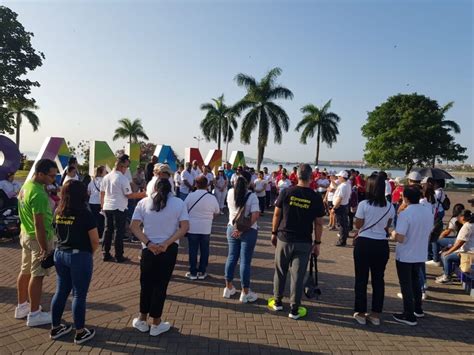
[48, 261]
[241, 222]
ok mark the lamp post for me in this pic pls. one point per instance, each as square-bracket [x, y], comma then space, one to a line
[199, 139]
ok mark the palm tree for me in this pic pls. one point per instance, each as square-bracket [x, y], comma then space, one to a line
[319, 121]
[219, 121]
[262, 111]
[16, 110]
[130, 129]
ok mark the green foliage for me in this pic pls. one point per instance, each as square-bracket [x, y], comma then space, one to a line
[262, 112]
[410, 130]
[319, 121]
[219, 118]
[130, 129]
[17, 57]
[15, 112]
[146, 152]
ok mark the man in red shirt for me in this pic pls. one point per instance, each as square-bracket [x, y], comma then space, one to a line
[360, 183]
[294, 176]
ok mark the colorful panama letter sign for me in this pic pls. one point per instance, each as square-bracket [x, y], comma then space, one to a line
[165, 155]
[100, 154]
[214, 159]
[56, 149]
[10, 157]
[237, 158]
[191, 154]
[133, 152]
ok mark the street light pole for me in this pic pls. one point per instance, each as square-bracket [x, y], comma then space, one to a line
[199, 139]
[227, 138]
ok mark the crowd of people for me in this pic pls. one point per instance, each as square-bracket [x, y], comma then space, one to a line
[64, 224]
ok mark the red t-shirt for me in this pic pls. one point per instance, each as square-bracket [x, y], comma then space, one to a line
[294, 178]
[397, 194]
[360, 183]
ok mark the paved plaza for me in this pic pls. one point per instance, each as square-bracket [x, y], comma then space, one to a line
[204, 322]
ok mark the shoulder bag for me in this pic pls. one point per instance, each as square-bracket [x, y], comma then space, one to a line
[241, 222]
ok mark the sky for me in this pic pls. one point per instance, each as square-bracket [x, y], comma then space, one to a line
[160, 60]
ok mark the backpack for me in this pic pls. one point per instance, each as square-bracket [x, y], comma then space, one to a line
[241, 222]
[446, 203]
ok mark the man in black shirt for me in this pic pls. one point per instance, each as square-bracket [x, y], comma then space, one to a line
[298, 212]
[149, 168]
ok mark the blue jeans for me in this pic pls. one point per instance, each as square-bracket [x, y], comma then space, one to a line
[182, 195]
[242, 247]
[448, 262]
[74, 272]
[440, 244]
[196, 243]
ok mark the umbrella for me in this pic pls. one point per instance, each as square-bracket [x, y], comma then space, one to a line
[435, 173]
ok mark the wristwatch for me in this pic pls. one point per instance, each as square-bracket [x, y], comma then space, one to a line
[274, 232]
[317, 242]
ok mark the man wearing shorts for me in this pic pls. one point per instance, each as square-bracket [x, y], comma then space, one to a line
[36, 218]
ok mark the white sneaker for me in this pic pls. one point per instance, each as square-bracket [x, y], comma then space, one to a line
[432, 263]
[160, 328]
[141, 325]
[360, 319]
[399, 295]
[201, 275]
[228, 292]
[443, 279]
[248, 297]
[424, 296]
[191, 276]
[40, 318]
[425, 286]
[21, 311]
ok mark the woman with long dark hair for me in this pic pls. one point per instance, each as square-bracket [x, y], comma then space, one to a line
[77, 241]
[241, 242]
[165, 220]
[93, 189]
[371, 252]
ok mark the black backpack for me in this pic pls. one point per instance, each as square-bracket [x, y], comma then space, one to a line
[446, 203]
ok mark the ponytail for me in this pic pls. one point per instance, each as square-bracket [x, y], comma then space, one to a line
[240, 191]
[162, 189]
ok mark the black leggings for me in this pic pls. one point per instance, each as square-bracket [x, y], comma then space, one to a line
[155, 274]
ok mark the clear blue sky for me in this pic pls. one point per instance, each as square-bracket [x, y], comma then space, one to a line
[160, 60]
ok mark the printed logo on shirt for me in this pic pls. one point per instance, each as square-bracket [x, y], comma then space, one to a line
[300, 202]
[66, 220]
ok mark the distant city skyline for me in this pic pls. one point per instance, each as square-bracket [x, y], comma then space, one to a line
[159, 61]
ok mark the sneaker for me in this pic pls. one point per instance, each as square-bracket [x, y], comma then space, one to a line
[39, 318]
[299, 313]
[108, 257]
[275, 305]
[400, 295]
[191, 276]
[121, 259]
[59, 331]
[248, 297]
[443, 279]
[228, 292]
[373, 320]
[202, 275]
[340, 243]
[425, 286]
[424, 296]
[401, 318]
[360, 319]
[86, 335]
[21, 311]
[160, 328]
[432, 263]
[141, 325]
[419, 314]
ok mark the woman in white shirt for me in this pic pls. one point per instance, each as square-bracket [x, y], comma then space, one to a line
[260, 186]
[165, 220]
[284, 183]
[241, 243]
[93, 189]
[330, 198]
[220, 189]
[371, 252]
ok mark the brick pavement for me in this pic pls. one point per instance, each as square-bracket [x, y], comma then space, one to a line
[203, 322]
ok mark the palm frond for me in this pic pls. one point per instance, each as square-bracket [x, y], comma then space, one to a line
[249, 123]
[32, 119]
[280, 92]
[246, 81]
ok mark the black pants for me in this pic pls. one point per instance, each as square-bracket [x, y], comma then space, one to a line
[114, 224]
[409, 278]
[261, 203]
[343, 221]
[155, 274]
[370, 255]
[99, 219]
[268, 198]
[351, 219]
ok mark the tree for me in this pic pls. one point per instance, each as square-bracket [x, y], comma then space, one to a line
[219, 121]
[410, 130]
[130, 129]
[262, 111]
[146, 151]
[19, 108]
[17, 57]
[319, 121]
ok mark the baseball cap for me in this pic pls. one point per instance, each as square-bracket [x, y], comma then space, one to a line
[343, 174]
[163, 168]
[221, 168]
[415, 176]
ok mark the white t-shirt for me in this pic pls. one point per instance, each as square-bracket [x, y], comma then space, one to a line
[189, 177]
[452, 225]
[150, 187]
[67, 178]
[202, 214]
[10, 188]
[116, 186]
[160, 226]
[333, 187]
[260, 185]
[371, 214]
[210, 179]
[196, 172]
[251, 206]
[430, 206]
[344, 192]
[177, 179]
[221, 182]
[268, 179]
[466, 234]
[415, 223]
[440, 196]
[94, 190]
[322, 184]
[283, 184]
[388, 188]
[234, 178]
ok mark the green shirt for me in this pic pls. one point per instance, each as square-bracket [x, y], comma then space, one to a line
[32, 200]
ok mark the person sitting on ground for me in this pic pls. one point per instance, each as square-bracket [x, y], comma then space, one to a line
[298, 213]
[165, 221]
[202, 207]
[241, 243]
[78, 240]
[464, 243]
[11, 188]
[448, 236]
